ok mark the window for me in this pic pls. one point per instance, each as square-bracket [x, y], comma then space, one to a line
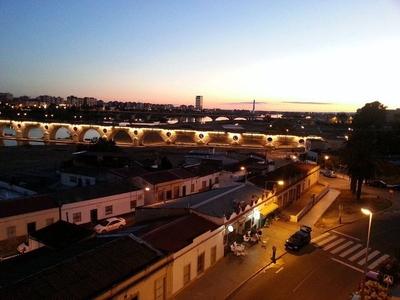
[203, 184]
[176, 192]
[133, 204]
[49, 221]
[72, 179]
[200, 264]
[109, 210]
[192, 188]
[159, 289]
[186, 274]
[87, 181]
[213, 257]
[76, 217]
[11, 232]
[169, 194]
[140, 197]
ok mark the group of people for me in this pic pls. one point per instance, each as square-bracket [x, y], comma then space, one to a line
[238, 249]
[253, 236]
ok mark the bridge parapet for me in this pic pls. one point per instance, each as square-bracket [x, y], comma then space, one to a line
[136, 136]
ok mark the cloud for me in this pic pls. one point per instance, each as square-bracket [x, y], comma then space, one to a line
[248, 102]
[313, 103]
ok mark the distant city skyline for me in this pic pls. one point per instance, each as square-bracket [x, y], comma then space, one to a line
[313, 56]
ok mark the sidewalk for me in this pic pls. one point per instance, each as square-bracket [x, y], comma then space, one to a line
[227, 275]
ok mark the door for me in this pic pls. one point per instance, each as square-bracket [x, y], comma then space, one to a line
[93, 216]
[31, 227]
[184, 190]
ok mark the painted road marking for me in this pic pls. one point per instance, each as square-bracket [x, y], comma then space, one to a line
[352, 249]
[378, 261]
[370, 256]
[340, 248]
[333, 244]
[358, 254]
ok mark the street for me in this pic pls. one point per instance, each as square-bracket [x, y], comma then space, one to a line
[332, 266]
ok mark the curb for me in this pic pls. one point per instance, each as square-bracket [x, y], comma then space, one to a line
[250, 277]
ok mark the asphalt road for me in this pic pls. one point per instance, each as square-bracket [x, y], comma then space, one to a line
[323, 270]
[309, 275]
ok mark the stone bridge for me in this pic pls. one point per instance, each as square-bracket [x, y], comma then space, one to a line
[153, 136]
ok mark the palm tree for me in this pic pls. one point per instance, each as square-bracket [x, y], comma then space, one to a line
[362, 159]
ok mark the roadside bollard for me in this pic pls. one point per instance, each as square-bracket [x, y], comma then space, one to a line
[273, 258]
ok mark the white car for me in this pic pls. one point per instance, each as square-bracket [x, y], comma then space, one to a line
[24, 247]
[330, 174]
[110, 224]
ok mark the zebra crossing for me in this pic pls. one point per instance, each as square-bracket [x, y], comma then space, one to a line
[349, 249]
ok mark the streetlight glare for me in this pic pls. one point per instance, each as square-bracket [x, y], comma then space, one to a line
[366, 211]
[280, 182]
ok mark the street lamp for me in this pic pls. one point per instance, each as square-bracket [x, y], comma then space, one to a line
[280, 182]
[245, 173]
[326, 159]
[367, 212]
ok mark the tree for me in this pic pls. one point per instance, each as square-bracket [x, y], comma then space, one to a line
[165, 163]
[371, 116]
[342, 118]
[374, 291]
[362, 159]
[100, 145]
[391, 267]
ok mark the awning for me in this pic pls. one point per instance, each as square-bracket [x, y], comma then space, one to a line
[267, 208]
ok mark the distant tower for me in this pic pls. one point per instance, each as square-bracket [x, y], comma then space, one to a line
[199, 102]
[254, 106]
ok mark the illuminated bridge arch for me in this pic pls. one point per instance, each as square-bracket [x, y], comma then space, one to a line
[153, 136]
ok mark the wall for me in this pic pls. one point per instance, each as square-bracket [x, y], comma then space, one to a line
[121, 205]
[203, 243]
[40, 218]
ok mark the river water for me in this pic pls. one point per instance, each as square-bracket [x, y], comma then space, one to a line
[36, 133]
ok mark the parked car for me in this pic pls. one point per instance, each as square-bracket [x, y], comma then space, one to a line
[355, 296]
[24, 247]
[377, 183]
[110, 224]
[393, 186]
[299, 239]
[330, 174]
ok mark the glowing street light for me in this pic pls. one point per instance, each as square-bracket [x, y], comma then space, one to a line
[367, 212]
[279, 182]
[245, 173]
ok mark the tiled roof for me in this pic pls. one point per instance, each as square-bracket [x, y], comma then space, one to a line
[129, 172]
[204, 169]
[284, 173]
[26, 205]
[77, 194]
[215, 203]
[85, 171]
[80, 272]
[179, 233]
[182, 173]
[159, 177]
[61, 235]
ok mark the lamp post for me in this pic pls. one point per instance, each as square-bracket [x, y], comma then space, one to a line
[245, 173]
[367, 212]
[280, 182]
[326, 159]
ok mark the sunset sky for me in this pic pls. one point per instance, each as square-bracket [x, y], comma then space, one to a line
[287, 55]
